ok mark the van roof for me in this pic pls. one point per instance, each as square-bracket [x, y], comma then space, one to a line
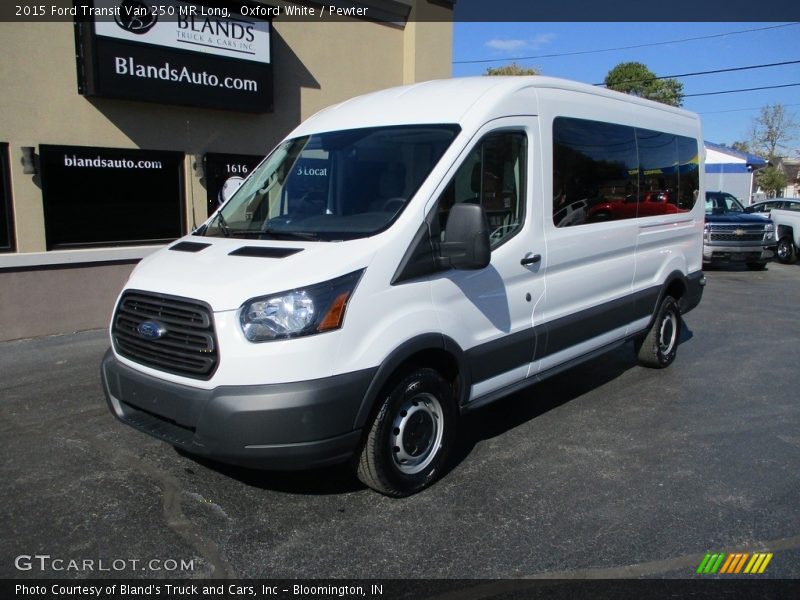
[451, 101]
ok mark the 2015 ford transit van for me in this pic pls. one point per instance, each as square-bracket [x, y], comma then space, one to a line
[404, 257]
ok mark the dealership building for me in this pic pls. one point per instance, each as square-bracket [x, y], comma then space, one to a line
[122, 129]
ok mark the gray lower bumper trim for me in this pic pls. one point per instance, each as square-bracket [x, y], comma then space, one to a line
[281, 426]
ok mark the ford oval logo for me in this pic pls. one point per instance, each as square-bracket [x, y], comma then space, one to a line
[151, 330]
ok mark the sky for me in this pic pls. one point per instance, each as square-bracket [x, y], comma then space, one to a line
[726, 118]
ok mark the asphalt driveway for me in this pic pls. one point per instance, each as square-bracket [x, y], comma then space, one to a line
[607, 470]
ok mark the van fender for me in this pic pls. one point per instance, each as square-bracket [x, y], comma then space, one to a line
[405, 353]
[675, 281]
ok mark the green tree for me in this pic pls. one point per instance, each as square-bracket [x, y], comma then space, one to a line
[772, 130]
[741, 146]
[636, 79]
[771, 180]
[512, 69]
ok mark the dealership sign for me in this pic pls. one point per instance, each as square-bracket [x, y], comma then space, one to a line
[196, 54]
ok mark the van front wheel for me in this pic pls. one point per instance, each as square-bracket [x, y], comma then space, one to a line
[410, 436]
[659, 345]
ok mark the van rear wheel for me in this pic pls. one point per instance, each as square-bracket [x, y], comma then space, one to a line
[659, 345]
[410, 436]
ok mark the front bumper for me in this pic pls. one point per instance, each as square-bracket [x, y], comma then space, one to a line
[278, 426]
[714, 254]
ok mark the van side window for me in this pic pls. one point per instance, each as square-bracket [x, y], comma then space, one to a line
[604, 172]
[669, 172]
[493, 175]
[595, 170]
[689, 172]
[658, 155]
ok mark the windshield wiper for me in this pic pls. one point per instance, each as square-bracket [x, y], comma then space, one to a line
[223, 225]
[297, 235]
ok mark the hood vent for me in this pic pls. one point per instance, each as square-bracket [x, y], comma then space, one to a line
[189, 246]
[265, 252]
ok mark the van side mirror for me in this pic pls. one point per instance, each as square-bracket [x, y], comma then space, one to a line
[467, 238]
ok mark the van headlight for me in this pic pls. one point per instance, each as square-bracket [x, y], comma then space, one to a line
[299, 312]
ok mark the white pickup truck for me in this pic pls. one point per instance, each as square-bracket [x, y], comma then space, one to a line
[787, 232]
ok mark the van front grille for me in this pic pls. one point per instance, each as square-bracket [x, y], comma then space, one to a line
[168, 333]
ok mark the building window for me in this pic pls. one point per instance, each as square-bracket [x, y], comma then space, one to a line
[6, 213]
[111, 196]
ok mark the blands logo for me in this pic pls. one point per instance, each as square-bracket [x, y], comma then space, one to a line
[135, 17]
[185, 26]
[734, 564]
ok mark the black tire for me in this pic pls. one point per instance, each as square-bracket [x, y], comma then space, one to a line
[659, 345]
[754, 266]
[410, 436]
[786, 252]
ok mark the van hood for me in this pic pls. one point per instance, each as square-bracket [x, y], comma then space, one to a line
[227, 272]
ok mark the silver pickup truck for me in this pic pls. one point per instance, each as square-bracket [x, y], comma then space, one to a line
[731, 235]
[787, 232]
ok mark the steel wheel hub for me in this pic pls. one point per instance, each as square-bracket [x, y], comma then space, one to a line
[668, 333]
[417, 431]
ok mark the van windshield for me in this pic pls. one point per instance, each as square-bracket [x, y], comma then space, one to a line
[333, 186]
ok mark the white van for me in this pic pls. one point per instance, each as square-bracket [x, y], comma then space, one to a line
[404, 257]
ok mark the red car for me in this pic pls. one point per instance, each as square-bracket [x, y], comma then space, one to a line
[652, 203]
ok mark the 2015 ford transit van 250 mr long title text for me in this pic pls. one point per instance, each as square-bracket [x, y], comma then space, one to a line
[404, 257]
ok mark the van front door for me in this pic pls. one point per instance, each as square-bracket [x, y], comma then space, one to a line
[491, 310]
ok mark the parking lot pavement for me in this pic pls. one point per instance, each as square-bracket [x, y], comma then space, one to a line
[607, 470]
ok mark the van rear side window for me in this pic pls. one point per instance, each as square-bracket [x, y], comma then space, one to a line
[606, 172]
